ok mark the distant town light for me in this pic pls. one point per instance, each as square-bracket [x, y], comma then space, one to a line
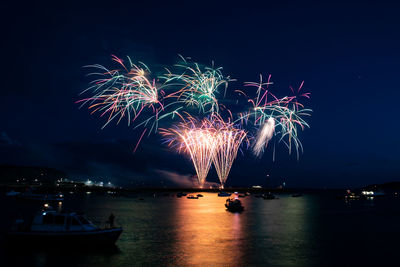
[366, 193]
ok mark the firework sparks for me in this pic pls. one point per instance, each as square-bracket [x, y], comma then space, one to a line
[263, 136]
[198, 85]
[128, 91]
[197, 141]
[281, 116]
[123, 92]
[227, 140]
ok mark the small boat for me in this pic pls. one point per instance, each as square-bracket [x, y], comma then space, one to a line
[234, 205]
[181, 194]
[192, 197]
[297, 195]
[199, 195]
[52, 228]
[269, 196]
[224, 194]
[12, 193]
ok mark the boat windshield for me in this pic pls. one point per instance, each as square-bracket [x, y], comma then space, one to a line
[48, 218]
[59, 219]
[83, 220]
[74, 221]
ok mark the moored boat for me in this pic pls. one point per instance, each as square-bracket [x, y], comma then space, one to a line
[12, 193]
[224, 194]
[181, 194]
[297, 195]
[234, 204]
[52, 228]
[269, 196]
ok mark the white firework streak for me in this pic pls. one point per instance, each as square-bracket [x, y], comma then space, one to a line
[263, 136]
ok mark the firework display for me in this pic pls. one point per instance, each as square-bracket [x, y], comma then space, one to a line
[197, 86]
[279, 116]
[198, 140]
[227, 142]
[187, 99]
[123, 92]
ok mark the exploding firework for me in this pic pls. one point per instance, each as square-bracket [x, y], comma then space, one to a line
[129, 92]
[198, 85]
[227, 140]
[197, 140]
[290, 121]
[123, 92]
[272, 115]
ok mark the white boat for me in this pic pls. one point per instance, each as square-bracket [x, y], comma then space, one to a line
[52, 228]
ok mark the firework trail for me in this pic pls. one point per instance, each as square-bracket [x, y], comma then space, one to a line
[263, 136]
[227, 140]
[282, 116]
[198, 85]
[123, 92]
[196, 140]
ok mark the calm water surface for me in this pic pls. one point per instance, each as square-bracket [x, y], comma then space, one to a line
[313, 230]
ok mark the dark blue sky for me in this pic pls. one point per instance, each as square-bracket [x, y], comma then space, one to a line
[347, 54]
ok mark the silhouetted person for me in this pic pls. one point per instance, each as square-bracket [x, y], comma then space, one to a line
[111, 220]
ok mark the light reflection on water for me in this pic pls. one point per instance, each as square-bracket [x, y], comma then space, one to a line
[170, 231]
[207, 234]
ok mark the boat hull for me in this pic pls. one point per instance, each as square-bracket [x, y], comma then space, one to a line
[234, 208]
[96, 238]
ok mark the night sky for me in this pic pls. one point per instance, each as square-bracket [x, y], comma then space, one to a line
[347, 54]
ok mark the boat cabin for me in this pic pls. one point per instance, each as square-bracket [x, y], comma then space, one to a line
[52, 221]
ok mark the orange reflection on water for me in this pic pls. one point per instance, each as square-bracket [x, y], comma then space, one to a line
[207, 233]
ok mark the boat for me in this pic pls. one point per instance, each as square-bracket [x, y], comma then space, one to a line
[224, 194]
[269, 196]
[53, 228]
[297, 195]
[181, 194]
[12, 193]
[199, 195]
[234, 205]
[192, 197]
